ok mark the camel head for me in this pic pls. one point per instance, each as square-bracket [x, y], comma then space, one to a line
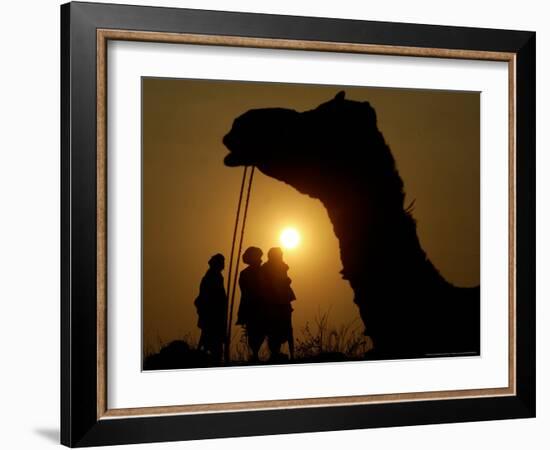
[318, 151]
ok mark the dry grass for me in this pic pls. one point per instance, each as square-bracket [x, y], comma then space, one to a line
[322, 338]
[319, 341]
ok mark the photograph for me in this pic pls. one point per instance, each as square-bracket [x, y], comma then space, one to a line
[292, 223]
[283, 222]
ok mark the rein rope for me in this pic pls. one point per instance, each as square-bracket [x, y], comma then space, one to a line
[231, 287]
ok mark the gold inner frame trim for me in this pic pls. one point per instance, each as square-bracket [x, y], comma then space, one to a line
[103, 36]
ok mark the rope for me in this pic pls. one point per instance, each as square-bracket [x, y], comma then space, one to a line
[238, 260]
[235, 231]
[227, 335]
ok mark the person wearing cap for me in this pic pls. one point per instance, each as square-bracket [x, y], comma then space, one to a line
[251, 314]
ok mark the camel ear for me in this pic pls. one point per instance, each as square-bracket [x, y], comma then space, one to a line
[340, 96]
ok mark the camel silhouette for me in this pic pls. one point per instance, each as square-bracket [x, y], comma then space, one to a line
[337, 154]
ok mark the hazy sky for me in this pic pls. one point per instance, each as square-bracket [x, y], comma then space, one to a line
[189, 196]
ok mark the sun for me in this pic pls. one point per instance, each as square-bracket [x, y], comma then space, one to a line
[290, 238]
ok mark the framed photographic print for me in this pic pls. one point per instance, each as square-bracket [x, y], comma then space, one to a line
[277, 224]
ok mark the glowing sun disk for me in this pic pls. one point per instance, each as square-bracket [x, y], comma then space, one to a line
[290, 238]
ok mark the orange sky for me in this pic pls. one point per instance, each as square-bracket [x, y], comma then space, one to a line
[189, 196]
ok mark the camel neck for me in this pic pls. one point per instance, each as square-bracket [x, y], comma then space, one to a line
[378, 239]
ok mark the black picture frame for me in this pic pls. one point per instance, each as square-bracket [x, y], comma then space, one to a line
[80, 424]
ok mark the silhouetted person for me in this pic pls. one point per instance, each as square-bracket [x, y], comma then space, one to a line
[211, 307]
[251, 314]
[278, 296]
